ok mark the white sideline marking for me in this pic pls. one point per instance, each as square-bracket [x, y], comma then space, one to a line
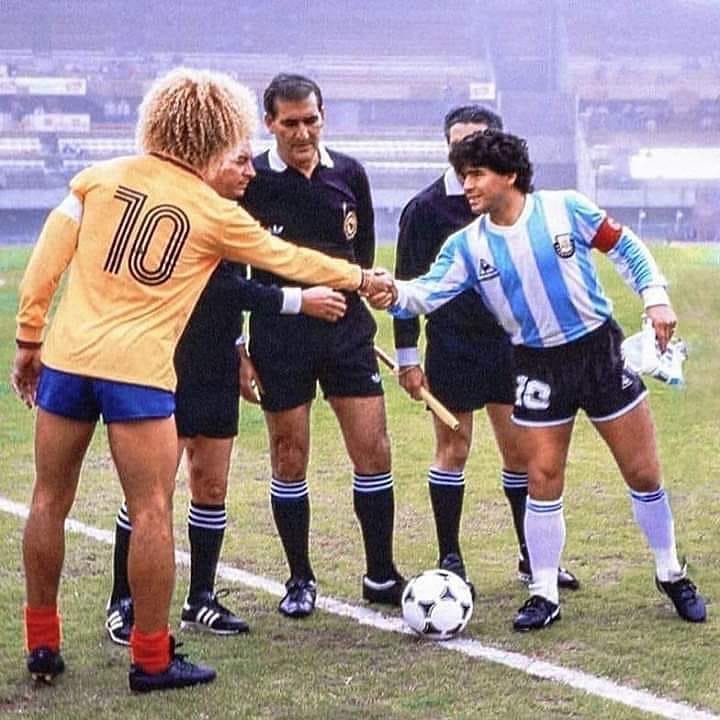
[599, 686]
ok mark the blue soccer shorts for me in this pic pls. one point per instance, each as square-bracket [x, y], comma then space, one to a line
[87, 399]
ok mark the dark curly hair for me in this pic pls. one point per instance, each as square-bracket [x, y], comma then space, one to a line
[476, 114]
[498, 151]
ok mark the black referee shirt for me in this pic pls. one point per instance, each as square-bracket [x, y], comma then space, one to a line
[425, 223]
[206, 351]
[331, 211]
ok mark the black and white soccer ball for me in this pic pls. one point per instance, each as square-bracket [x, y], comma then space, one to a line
[437, 604]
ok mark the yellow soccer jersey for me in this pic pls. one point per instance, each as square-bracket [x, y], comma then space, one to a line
[141, 236]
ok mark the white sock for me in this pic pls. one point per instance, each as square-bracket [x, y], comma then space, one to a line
[545, 537]
[653, 515]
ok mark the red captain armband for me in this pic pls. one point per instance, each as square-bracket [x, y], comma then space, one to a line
[607, 235]
[28, 345]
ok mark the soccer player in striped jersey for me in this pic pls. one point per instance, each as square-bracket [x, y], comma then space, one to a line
[140, 237]
[467, 359]
[528, 254]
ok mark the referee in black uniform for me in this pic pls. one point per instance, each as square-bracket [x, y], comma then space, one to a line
[207, 363]
[467, 358]
[316, 197]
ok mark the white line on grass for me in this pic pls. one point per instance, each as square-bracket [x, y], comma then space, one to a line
[599, 686]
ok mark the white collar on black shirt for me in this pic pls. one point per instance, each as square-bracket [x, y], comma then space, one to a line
[453, 184]
[279, 165]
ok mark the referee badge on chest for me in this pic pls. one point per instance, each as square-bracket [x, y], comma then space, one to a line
[564, 245]
[350, 224]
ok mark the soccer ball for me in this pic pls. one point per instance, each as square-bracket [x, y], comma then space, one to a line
[437, 604]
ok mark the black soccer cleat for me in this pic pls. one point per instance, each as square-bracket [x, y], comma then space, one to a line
[119, 621]
[384, 592]
[180, 673]
[566, 580]
[299, 600]
[208, 615]
[688, 602]
[453, 563]
[538, 612]
[45, 664]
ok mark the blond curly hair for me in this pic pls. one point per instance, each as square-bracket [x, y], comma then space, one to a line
[195, 116]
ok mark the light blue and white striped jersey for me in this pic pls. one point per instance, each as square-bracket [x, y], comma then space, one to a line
[537, 275]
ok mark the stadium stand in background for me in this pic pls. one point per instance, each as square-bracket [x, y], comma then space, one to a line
[609, 103]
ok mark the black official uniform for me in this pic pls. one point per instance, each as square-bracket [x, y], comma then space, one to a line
[468, 355]
[206, 359]
[332, 212]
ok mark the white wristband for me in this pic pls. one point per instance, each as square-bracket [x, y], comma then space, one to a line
[407, 356]
[655, 295]
[292, 301]
[240, 341]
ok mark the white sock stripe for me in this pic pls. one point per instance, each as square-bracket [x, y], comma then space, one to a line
[206, 512]
[513, 480]
[213, 519]
[655, 496]
[205, 525]
[123, 519]
[542, 507]
[124, 525]
[442, 477]
[376, 487]
[289, 491]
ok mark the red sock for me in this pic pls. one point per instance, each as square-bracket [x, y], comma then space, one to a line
[42, 628]
[151, 651]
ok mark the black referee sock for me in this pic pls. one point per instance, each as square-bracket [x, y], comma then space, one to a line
[374, 503]
[447, 491]
[123, 529]
[515, 486]
[290, 503]
[206, 530]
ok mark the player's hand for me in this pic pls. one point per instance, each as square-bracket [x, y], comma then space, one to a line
[25, 374]
[379, 288]
[664, 321]
[412, 379]
[323, 303]
[250, 387]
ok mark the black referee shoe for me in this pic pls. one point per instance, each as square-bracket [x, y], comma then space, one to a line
[206, 614]
[453, 563]
[45, 664]
[384, 592]
[299, 600]
[180, 673]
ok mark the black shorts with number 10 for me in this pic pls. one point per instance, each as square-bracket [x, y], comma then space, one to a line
[292, 353]
[553, 383]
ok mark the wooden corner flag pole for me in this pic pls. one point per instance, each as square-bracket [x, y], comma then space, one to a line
[430, 400]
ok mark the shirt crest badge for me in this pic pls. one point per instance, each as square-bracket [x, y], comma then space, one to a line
[350, 225]
[564, 245]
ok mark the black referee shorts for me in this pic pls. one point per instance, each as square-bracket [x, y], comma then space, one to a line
[465, 372]
[292, 353]
[211, 410]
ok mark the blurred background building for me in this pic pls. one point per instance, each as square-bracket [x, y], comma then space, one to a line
[618, 99]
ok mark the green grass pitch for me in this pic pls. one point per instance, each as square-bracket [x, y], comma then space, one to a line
[618, 626]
